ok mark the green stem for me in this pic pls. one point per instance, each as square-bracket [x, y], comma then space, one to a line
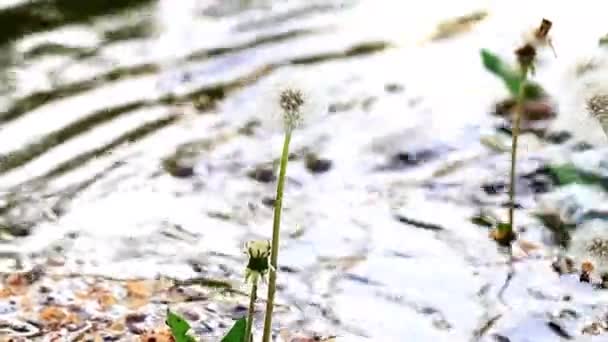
[278, 205]
[515, 133]
[252, 299]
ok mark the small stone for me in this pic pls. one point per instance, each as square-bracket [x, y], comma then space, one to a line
[239, 310]
[249, 128]
[317, 165]
[177, 169]
[558, 137]
[191, 315]
[135, 318]
[268, 201]
[262, 174]
[559, 330]
[494, 188]
[393, 88]
[403, 160]
[581, 146]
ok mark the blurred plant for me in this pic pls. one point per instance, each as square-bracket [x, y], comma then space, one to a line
[589, 248]
[516, 80]
[597, 105]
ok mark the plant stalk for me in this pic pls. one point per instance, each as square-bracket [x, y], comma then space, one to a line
[252, 299]
[515, 134]
[278, 206]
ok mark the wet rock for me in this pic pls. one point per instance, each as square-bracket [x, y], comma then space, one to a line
[415, 158]
[262, 174]
[249, 128]
[368, 103]
[268, 201]
[203, 327]
[418, 224]
[494, 188]
[133, 318]
[18, 229]
[393, 88]
[191, 315]
[558, 137]
[341, 106]
[582, 146]
[500, 338]
[315, 164]
[178, 169]
[559, 330]
[539, 181]
[407, 159]
[239, 311]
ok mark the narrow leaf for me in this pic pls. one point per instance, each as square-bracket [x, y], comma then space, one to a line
[509, 76]
[569, 174]
[237, 332]
[179, 327]
[495, 65]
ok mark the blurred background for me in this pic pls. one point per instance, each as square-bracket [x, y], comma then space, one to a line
[131, 147]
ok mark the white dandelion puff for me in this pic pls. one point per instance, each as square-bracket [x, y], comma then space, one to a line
[585, 103]
[597, 106]
[292, 101]
[589, 247]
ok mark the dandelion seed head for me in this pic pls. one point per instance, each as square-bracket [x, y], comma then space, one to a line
[597, 106]
[584, 104]
[589, 247]
[291, 100]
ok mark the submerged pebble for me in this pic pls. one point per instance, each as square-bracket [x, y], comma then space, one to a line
[315, 164]
[262, 174]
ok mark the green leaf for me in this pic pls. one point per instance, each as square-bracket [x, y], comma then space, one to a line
[509, 76]
[604, 40]
[237, 332]
[179, 327]
[495, 65]
[568, 174]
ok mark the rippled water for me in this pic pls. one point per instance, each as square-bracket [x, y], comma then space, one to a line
[128, 136]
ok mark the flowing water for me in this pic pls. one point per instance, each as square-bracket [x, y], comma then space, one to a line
[130, 148]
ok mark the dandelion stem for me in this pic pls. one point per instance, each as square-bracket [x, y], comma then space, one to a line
[252, 299]
[515, 133]
[278, 205]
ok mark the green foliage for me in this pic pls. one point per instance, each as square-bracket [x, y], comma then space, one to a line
[510, 76]
[569, 174]
[179, 327]
[237, 332]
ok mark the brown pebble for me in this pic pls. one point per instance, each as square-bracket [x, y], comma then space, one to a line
[317, 165]
[135, 318]
[262, 174]
[191, 315]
